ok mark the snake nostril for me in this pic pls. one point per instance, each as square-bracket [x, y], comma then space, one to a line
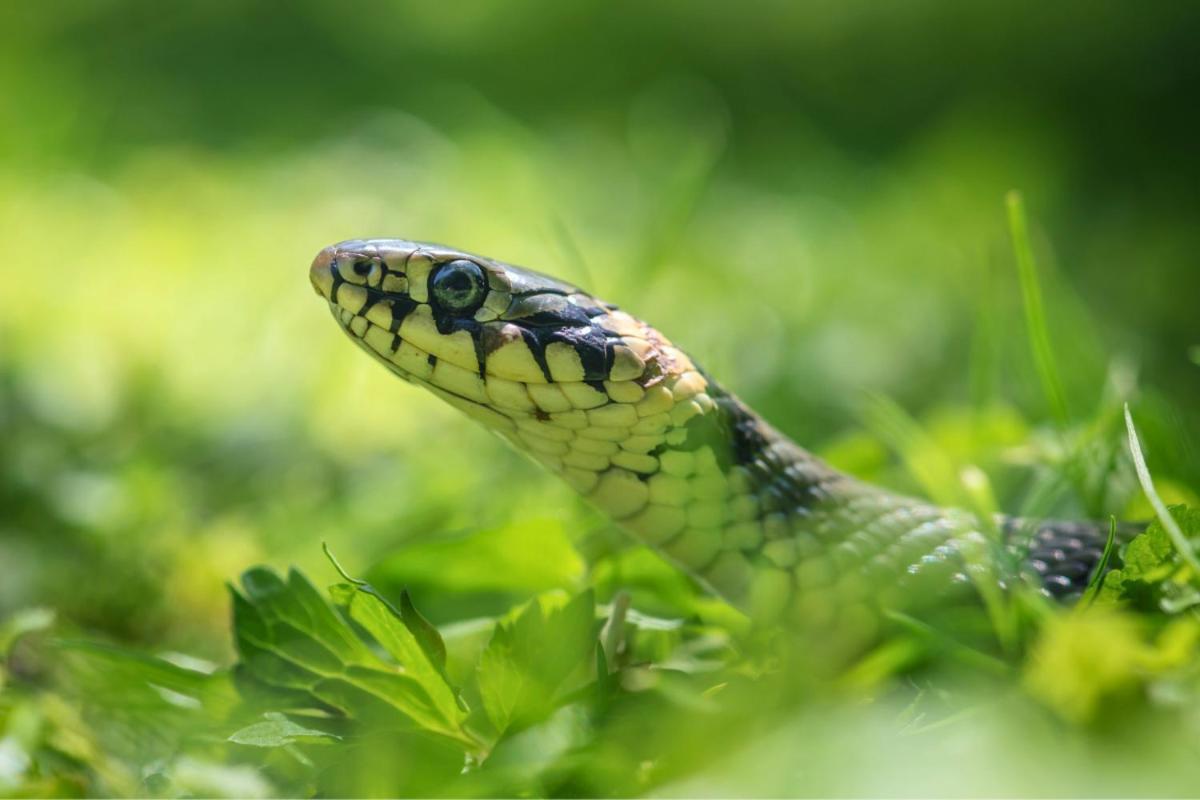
[362, 267]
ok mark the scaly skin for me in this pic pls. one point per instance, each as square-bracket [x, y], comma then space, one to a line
[626, 418]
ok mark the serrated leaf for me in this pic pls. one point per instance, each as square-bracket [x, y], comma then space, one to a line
[426, 634]
[298, 604]
[530, 655]
[1148, 553]
[386, 627]
[1153, 572]
[291, 638]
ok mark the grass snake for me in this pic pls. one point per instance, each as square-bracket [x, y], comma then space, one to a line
[612, 406]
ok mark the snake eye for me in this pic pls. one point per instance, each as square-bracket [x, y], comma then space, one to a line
[458, 286]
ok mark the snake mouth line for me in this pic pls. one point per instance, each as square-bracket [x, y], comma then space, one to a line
[345, 318]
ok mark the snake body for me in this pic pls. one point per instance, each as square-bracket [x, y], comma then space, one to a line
[612, 406]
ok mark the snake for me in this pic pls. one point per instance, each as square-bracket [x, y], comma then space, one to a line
[641, 431]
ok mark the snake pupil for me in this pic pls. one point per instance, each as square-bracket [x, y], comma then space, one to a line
[458, 286]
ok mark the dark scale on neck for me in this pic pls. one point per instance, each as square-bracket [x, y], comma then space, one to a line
[784, 477]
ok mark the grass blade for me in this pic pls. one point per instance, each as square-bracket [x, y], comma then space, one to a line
[1035, 311]
[1097, 580]
[1160, 508]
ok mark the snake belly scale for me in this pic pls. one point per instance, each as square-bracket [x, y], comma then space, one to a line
[612, 406]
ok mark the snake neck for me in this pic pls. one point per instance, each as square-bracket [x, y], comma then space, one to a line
[691, 471]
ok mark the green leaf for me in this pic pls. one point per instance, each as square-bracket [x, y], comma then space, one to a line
[388, 628]
[299, 608]
[406, 635]
[134, 708]
[531, 654]
[291, 638]
[131, 671]
[1148, 556]
[427, 636]
[1178, 537]
[277, 730]
[424, 631]
[1154, 572]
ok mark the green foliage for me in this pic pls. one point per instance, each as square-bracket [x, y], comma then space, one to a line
[1087, 666]
[557, 693]
[379, 668]
[291, 639]
[519, 677]
[175, 404]
[1154, 574]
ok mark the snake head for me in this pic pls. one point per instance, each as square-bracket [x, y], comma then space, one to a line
[509, 341]
[590, 392]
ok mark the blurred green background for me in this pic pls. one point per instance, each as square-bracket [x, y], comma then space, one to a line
[808, 196]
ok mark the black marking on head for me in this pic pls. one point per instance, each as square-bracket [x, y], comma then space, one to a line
[372, 299]
[431, 360]
[481, 339]
[595, 351]
[477, 339]
[402, 306]
[448, 322]
[567, 317]
[493, 336]
[538, 350]
[547, 311]
[547, 317]
[338, 280]
[534, 291]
